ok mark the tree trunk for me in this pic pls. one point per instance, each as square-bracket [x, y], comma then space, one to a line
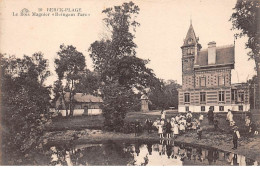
[257, 58]
[72, 98]
[65, 104]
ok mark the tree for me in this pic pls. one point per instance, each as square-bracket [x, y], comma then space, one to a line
[253, 90]
[24, 104]
[88, 82]
[246, 18]
[69, 65]
[116, 62]
[163, 94]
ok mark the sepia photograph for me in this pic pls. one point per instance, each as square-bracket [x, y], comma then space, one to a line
[130, 83]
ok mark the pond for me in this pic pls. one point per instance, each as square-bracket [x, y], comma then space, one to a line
[144, 153]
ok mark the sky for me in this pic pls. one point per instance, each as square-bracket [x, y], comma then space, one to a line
[164, 25]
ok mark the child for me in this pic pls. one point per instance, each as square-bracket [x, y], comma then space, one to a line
[175, 129]
[168, 128]
[163, 113]
[189, 115]
[172, 124]
[195, 124]
[188, 122]
[236, 136]
[160, 130]
[247, 124]
[177, 118]
[182, 123]
[162, 122]
[201, 118]
[199, 132]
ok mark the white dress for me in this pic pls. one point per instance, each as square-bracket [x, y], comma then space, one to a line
[176, 129]
[163, 115]
[230, 116]
[201, 117]
[160, 129]
[182, 125]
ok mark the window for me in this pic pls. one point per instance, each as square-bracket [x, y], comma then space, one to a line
[187, 97]
[202, 108]
[221, 80]
[202, 97]
[203, 82]
[189, 52]
[240, 108]
[189, 40]
[221, 108]
[221, 96]
[240, 97]
[187, 108]
[233, 95]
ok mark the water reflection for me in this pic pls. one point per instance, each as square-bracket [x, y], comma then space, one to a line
[156, 153]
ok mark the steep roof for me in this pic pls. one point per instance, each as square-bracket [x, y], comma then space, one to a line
[84, 98]
[190, 34]
[224, 55]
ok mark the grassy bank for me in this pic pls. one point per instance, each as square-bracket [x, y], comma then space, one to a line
[96, 122]
[87, 130]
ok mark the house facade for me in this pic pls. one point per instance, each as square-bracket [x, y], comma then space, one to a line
[206, 78]
[85, 104]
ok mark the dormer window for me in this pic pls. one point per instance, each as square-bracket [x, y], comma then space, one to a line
[190, 41]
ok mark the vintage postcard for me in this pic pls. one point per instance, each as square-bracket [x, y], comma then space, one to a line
[130, 82]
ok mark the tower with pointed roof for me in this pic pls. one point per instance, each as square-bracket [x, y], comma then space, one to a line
[206, 78]
[190, 49]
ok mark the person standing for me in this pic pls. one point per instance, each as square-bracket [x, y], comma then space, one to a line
[160, 130]
[149, 124]
[182, 123]
[163, 114]
[175, 129]
[236, 136]
[199, 132]
[172, 124]
[177, 118]
[136, 127]
[210, 116]
[247, 124]
[168, 129]
[230, 117]
[189, 115]
[201, 118]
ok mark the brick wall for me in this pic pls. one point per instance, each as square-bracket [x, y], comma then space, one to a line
[213, 77]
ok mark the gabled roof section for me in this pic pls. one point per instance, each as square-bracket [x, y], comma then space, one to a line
[224, 55]
[190, 37]
[84, 98]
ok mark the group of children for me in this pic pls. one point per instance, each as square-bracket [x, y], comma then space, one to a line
[178, 125]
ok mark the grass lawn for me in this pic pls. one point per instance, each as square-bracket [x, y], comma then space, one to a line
[96, 121]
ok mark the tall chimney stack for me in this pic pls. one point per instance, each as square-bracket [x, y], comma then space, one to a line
[212, 52]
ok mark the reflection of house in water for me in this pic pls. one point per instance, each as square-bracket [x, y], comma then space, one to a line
[85, 104]
[206, 78]
[112, 153]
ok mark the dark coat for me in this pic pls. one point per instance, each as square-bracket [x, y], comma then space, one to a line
[210, 114]
[168, 127]
[235, 138]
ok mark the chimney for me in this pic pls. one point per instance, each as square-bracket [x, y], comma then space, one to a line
[212, 52]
